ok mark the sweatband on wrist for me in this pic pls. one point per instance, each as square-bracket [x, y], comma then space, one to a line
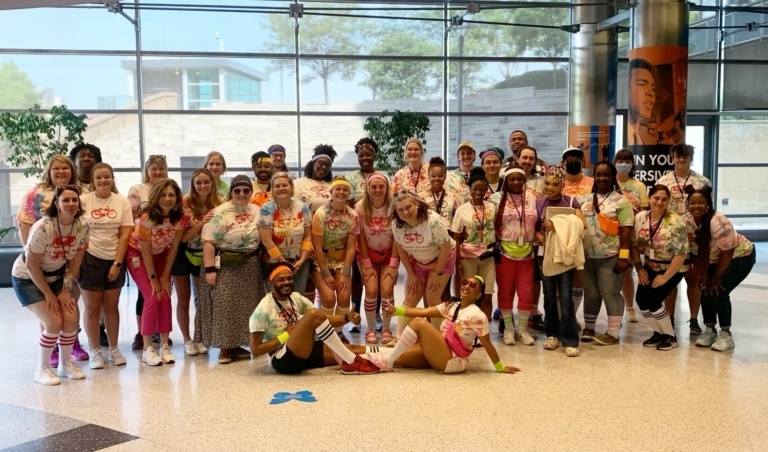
[306, 245]
[624, 254]
[274, 252]
[283, 337]
[394, 262]
[210, 269]
[366, 263]
[400, 311]
[346, 271]
[325, 272]
[499, 366]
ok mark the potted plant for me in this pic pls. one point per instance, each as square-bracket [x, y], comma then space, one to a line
[390, 131]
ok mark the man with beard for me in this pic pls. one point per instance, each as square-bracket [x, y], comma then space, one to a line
[458, 179]
[298, 337]
[261, 163]
[518, 140]
[84, 156]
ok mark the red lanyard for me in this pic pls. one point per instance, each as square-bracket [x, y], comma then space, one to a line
[481, 227]
[418, 176]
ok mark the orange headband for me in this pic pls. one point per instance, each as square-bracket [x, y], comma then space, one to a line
[279, 269]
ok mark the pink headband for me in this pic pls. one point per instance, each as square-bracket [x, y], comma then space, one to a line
[376, 176]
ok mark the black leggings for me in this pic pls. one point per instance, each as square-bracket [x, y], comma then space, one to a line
[652, 298]
[139, 304]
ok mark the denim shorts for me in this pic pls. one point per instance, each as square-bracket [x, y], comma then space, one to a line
[94, 272]
[28, 293]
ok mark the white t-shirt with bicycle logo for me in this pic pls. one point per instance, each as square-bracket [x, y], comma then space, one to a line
[105, 217]
[422, 242]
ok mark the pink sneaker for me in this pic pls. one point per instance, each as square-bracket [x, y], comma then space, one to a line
[379, 359]
[78, 354]
[54, 361]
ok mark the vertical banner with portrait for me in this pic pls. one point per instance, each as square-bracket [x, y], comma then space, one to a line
[658, 87]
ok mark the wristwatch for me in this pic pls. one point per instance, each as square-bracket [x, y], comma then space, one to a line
[153, 276]
[117, 264]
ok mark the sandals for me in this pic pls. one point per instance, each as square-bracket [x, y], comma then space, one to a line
[386, 337]
[370, 337]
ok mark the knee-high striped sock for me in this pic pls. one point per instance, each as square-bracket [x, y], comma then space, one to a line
[66, 340]
[648, 316]
[406, 341]
[614, 325]
[577, 293]
[665, 323]
[589, 321]
[326, 333]
[370, 312]
[46, 343]
[522, 320]
[506, 316]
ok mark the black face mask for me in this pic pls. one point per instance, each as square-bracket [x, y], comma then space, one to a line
[573, 168]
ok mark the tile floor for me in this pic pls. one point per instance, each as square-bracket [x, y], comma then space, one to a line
[623, 397]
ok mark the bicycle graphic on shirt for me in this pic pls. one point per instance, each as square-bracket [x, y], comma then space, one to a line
[103, 212]
[410, 237]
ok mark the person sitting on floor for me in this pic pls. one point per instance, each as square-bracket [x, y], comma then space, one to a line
[299, 337]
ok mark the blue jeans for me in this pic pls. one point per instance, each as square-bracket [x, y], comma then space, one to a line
[601, 284]
[562, 324]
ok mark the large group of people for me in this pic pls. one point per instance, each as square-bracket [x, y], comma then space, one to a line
[279, 266]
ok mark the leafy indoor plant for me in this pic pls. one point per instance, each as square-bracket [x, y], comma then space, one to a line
[390, 131]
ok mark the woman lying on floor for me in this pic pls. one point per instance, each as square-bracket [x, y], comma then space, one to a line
[446, 350]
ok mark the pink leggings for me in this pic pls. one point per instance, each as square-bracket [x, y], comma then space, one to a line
[157, 314]
[515, 277]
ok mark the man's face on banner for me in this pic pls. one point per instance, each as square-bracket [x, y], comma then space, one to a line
[642, 94]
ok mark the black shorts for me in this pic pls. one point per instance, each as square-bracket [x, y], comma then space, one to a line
[94, 272]
[181, 264]
[537, 267]
[289, 364]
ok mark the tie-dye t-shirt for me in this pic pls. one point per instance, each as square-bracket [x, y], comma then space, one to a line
[470, 323]
[335, 226]
[676, 186]
[518, 225]
[724, 238]
[422, 242]
[448, 205]
[456, 183]
[580, 188]
[467, 221]
[357, 180]
[138, 195]
[313, 193]
[636, 193]
[378, 234]
[598, 244]
[535, 186]
[261, 195]
[287, 226]
[415, 181]
[34, 203]
[233, 228]
[160, 236]
[105, 217]
[669, 239]
[223, 189]
[56, 249]
[271, 320]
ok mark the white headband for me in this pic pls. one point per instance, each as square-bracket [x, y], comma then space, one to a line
[513, 171]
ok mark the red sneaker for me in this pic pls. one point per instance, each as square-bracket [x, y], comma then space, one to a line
[360, 366]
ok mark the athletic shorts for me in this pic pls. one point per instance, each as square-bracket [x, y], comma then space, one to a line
[285, 362]
[94, 272]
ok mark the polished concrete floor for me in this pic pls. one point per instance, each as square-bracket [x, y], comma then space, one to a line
[622, 397]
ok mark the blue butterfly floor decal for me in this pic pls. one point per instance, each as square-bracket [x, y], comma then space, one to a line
[301, 396]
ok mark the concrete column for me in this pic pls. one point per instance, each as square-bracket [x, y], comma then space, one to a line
[592, 93]
[658, 81]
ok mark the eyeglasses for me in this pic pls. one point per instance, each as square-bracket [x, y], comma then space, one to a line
[244, 191]
[61, 188]
[471, 284]
[155, 156]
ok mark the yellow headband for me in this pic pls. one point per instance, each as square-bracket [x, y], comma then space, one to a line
[339, 182]
[263, 160]
[279, 269]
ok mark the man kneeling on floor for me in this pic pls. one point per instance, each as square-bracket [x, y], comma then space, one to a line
[299, 337]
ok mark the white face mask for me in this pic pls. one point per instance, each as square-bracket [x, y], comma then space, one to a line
[624, 168]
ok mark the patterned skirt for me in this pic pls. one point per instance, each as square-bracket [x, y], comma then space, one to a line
[226, 307]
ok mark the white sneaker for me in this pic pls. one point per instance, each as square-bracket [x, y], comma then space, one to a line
[201, 348]
[190, 349]
[46, 377]
[526, 338]
[96, 361]
[115, 357]
[707, 338]
[632, 315]
[149, 356]
[166, 355]
[70, 371]
[509, 337]
[724, 342]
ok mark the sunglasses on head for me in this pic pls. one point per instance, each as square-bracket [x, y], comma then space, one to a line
[472, 284]
[155, 156]
[244, 191]
[61, 188]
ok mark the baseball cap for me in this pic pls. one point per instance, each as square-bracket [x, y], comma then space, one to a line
[572, 149]
[465, 144]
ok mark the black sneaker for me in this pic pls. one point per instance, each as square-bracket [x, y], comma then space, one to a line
[103, 341]
[536, 322]
[587, 335]
[667, 343]
[138, 342]
[156, 339]
[694, 325]
[654, 340]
